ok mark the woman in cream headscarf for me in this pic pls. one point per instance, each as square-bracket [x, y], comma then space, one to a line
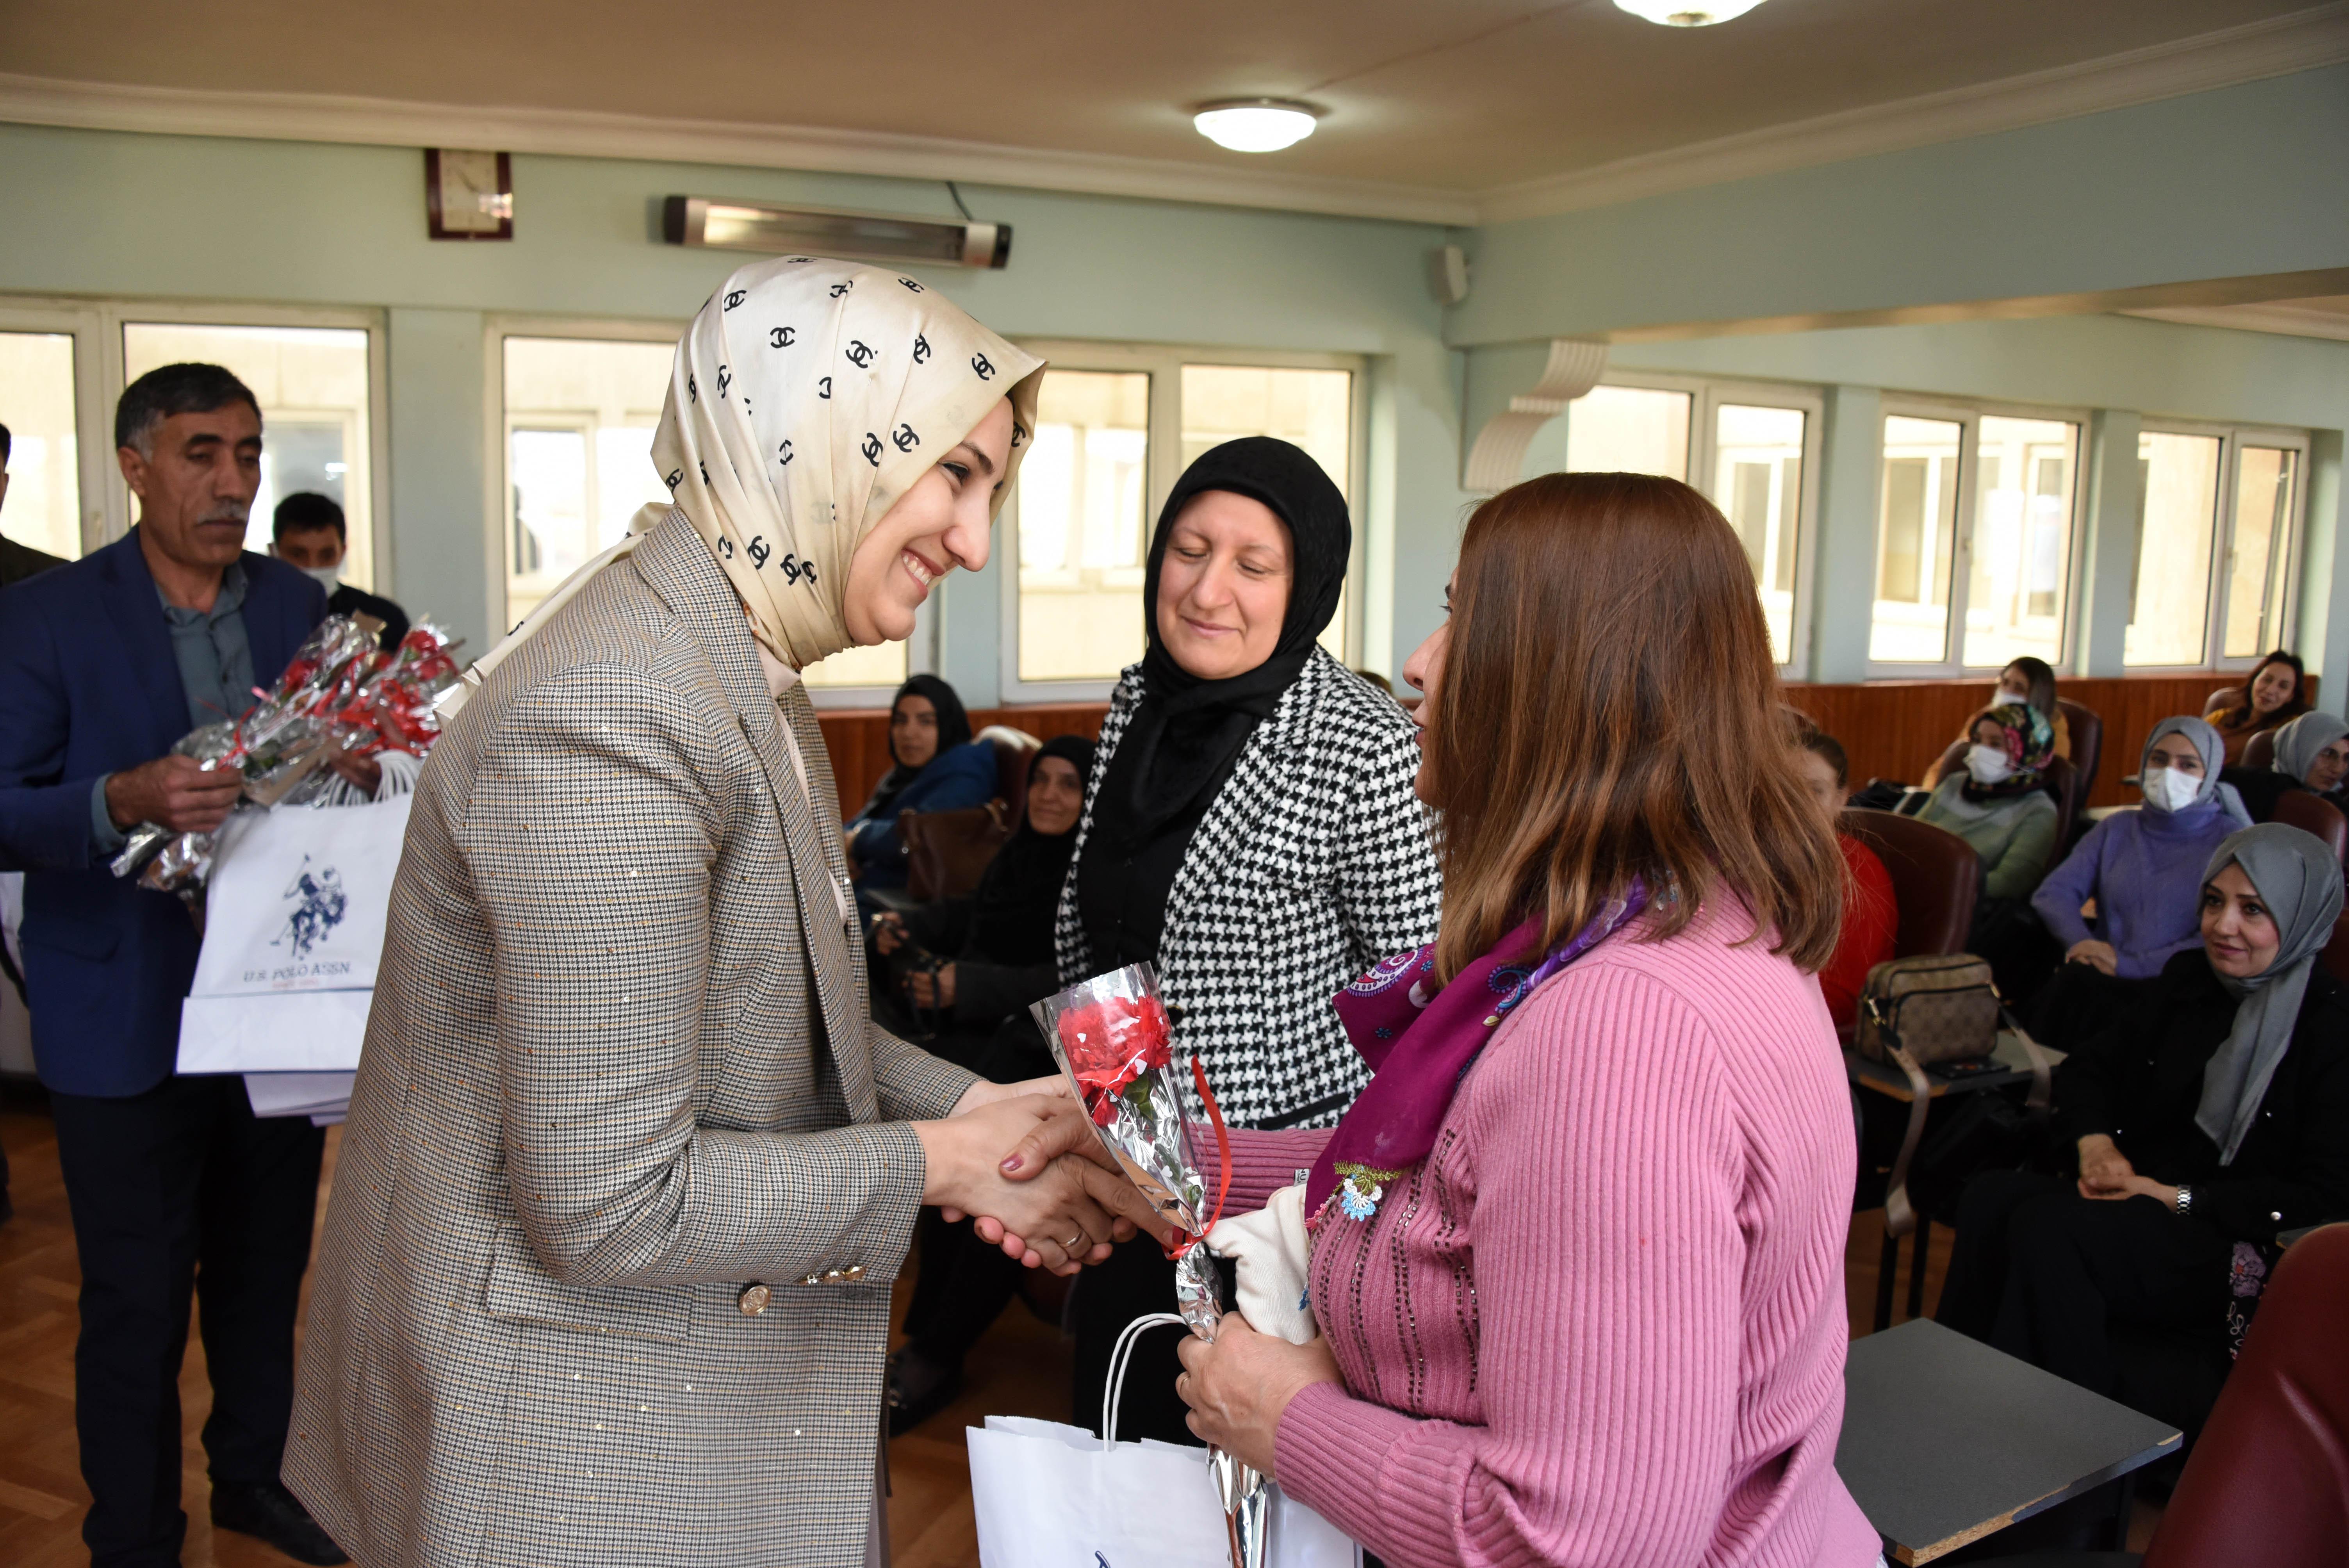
[2211, 1114]
[629, 1172]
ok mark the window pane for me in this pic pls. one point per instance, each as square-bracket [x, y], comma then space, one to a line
[1084, 491]
[1915, 541]
[1313, 408]
[2264, 484]
[2169, 594]
[1758, 485]
[43, 505]
[2022, 542]
[313, 387]
[1629, 431]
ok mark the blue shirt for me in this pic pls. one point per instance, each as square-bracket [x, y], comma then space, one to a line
[215, 660]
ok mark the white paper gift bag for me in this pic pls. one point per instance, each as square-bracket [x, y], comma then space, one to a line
[293, 924]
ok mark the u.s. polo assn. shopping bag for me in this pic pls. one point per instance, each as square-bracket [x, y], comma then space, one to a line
[1054, 1496]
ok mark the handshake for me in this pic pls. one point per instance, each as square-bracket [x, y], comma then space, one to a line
[1023, 1161]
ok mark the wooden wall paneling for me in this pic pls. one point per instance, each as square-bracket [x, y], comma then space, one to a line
[858, 739]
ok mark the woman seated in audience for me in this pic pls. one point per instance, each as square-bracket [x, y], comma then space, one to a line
[1624, 1092]
[1001, 939]
[1996, 802]
[1871, 916]
[2312, 753]
[2029, 681]
[2270, 697]
[937, 767]
[2213, 1110]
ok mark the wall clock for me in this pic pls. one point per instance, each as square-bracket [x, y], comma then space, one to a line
[468, 195]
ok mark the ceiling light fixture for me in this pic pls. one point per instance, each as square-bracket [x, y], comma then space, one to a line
[1687, 13]
[1256, 125]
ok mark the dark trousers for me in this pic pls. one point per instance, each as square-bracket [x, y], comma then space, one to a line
[1135, 1281]
[180, 1190]
[2045, 1275]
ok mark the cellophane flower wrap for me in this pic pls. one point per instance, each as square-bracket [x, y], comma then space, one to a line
[339, 692]
[1112, 1036]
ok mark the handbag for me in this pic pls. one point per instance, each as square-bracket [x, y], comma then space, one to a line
[947, 851]
[1938, 1007]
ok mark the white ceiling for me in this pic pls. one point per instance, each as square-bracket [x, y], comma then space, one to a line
[1468, 108]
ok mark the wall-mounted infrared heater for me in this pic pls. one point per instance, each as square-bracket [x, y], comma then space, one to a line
[833, 231]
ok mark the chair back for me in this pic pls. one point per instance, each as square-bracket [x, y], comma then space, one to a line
[2064, 785]
[2259, 751]
[2086, 728]
[2225, 696]
[2336, 956]
[947, 851]
[1936, 877]
[2269, 1480]
[2314, 814]
[1014, 748]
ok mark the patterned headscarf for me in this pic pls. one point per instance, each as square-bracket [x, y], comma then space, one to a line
[2297, 743]
[2030, 741]
[808, 396]
[2298, 877]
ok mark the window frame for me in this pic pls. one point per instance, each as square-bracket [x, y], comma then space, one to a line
[1707, 396]
[2232, 439]
[96, 326]
[1968, 413]
[1164, 362]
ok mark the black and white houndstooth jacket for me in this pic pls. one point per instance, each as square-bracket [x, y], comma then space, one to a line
[1314, 863]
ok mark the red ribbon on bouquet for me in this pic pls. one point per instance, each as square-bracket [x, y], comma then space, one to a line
[1223, 1158]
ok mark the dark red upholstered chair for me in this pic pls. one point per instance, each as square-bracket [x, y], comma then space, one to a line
[2314, 814]
[2269, 1482]
[1014, 748]
[2065, 786]
[1936, 877]
[2336, 956]
[2259, 751]
[2086, 728]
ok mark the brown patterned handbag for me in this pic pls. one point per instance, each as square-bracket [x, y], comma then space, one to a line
[1938, 1007]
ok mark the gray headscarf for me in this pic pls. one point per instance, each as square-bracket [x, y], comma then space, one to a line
[2204, 739]
[2299, 879]
[2297, 743]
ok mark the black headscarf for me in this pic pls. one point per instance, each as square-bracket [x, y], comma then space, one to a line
[954, 729]
[1019, 894]
[1188, 732]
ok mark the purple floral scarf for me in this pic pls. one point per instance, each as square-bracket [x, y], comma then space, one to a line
[1420, 1045]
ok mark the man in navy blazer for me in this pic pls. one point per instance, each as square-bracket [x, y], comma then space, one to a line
[105, 664]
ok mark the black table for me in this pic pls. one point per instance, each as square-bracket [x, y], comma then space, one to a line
[1888, 1080]
[1946, 1440]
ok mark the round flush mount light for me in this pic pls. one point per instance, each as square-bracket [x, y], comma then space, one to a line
[1687, 13]
[1256, 125]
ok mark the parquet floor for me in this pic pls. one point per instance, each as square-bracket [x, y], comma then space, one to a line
[1020, 1367]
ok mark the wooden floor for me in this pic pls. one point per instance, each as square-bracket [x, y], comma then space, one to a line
[1021, 1368]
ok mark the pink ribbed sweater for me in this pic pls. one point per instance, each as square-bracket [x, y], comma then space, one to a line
[1604, 1322]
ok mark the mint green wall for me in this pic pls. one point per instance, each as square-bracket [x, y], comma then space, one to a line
[309, 223]
[2241, 181]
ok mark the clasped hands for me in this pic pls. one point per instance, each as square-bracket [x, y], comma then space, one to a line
[1023, 1161]
[2105, 1174]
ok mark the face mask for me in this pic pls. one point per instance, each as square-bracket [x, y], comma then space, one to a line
[327, 577]
[2170, 789]
[1988, 764]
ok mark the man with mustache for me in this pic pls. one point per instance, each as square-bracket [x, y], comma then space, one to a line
[104, 666]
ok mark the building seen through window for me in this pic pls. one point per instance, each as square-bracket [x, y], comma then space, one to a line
[43, 507]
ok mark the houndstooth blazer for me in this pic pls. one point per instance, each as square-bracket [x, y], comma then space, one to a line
[619, 1089]
[1312, 863]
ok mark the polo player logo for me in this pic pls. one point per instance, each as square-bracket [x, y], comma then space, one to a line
[860, 354]
[906, 439]
[984, 366]
[319, 904]
[871, 447]
[736, 296]
[911, 285]
[921, 349]
[783, 337]
[784, 455]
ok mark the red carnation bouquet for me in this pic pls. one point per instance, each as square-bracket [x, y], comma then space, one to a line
[340, 693]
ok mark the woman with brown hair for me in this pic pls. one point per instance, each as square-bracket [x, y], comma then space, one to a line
[1577, 1250]
[2273, 695]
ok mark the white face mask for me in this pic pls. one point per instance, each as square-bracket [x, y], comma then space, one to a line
[327, 577]
[1988, 764]
[2170, 788]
